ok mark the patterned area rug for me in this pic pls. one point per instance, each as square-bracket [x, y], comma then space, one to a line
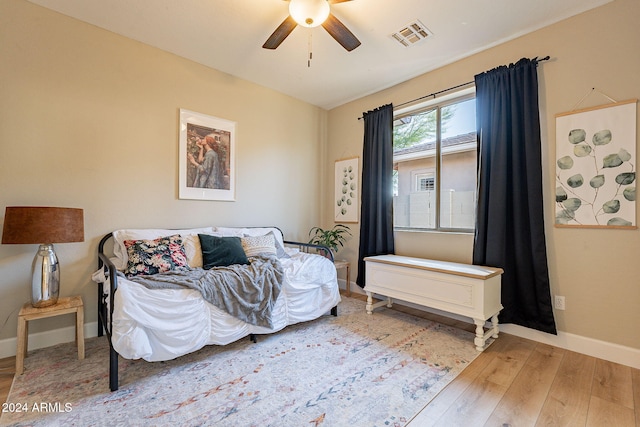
[354, 369]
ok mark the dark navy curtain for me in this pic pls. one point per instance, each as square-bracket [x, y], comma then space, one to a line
[376, 209]
[510, 223]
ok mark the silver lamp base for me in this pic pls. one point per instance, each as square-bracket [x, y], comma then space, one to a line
[45, 277]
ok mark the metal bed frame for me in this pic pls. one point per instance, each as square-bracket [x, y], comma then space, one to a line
[105, 311]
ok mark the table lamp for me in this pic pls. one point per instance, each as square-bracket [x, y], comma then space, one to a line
[44, 226]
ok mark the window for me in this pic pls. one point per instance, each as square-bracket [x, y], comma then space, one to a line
[434, 160]
[425, 181]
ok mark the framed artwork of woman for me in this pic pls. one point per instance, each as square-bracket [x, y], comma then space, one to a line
[207, 161]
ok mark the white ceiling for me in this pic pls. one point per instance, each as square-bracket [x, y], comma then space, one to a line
[228, 35]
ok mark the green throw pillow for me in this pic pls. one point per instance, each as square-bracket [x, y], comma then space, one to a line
[221, 251]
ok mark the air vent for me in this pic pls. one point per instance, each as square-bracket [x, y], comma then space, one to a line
[411, 34]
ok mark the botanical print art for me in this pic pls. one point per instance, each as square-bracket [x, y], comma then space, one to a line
[206, 157]
[596, 167]
[346, 190]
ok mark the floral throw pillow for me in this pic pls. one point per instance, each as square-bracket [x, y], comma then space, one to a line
[155, 256]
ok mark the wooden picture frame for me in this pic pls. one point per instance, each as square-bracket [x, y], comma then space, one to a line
[596, 164]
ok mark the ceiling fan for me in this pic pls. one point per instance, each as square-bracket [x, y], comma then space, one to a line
[311, 13]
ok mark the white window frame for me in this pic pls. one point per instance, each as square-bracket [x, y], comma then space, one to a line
[427, 176]
[442, 101]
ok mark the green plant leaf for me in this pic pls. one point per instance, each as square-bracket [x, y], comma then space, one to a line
[582, 150]
[612, 206]
[602, 138]
[563, 217]
[565, 162]
[561, 195]
[577, 135]
[597, 181]
[572, 204]
[611, 161]
[575, 181]
[624, 155]
[618, 221]
[629, 193]
[330, 238]
[626, 178]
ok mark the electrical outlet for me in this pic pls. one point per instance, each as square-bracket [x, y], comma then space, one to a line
[559, 302]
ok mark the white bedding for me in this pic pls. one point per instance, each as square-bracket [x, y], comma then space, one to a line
[164, 324]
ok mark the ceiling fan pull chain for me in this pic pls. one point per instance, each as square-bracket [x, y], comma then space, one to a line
[310, 50]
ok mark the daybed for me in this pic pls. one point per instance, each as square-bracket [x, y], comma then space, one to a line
[147, 315]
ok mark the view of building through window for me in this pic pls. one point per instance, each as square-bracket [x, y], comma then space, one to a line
[434, 160]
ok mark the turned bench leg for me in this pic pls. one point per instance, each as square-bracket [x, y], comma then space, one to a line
[371, 306]
[481, 336]
[479, 340]
[494, 323]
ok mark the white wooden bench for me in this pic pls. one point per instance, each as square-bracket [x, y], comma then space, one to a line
[467, 290]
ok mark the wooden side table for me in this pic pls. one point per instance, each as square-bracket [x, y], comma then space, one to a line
[63, 306]
[345, 264]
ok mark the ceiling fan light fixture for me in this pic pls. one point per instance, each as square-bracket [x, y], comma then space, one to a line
[309, 13]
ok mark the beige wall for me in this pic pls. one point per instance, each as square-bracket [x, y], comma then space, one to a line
[598, 271]
[82, 110]
[89, 119]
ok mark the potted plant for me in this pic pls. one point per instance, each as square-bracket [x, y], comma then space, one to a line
[330, 238]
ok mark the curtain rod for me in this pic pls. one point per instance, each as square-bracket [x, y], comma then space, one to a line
[434, 94]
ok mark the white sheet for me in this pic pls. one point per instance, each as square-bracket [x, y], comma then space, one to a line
[164, 324]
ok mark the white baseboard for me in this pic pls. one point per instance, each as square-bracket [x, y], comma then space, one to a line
[47, 339]
[616, 353]
[601, 349]
[591, 347]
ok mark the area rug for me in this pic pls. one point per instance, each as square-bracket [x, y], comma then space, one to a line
[351, 370]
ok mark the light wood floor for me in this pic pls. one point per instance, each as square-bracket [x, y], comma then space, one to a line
[516, 382]
[519, 382]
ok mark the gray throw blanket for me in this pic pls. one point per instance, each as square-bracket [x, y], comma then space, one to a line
[247, 292]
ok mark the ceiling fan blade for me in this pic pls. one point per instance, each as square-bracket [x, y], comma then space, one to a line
[341, 33]
[280, 33]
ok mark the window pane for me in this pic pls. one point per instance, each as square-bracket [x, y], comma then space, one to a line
[414, 142]
[426, 197]
[425, 182]
[458, 166]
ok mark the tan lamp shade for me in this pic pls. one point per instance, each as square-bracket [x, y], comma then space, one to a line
[35, 225]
